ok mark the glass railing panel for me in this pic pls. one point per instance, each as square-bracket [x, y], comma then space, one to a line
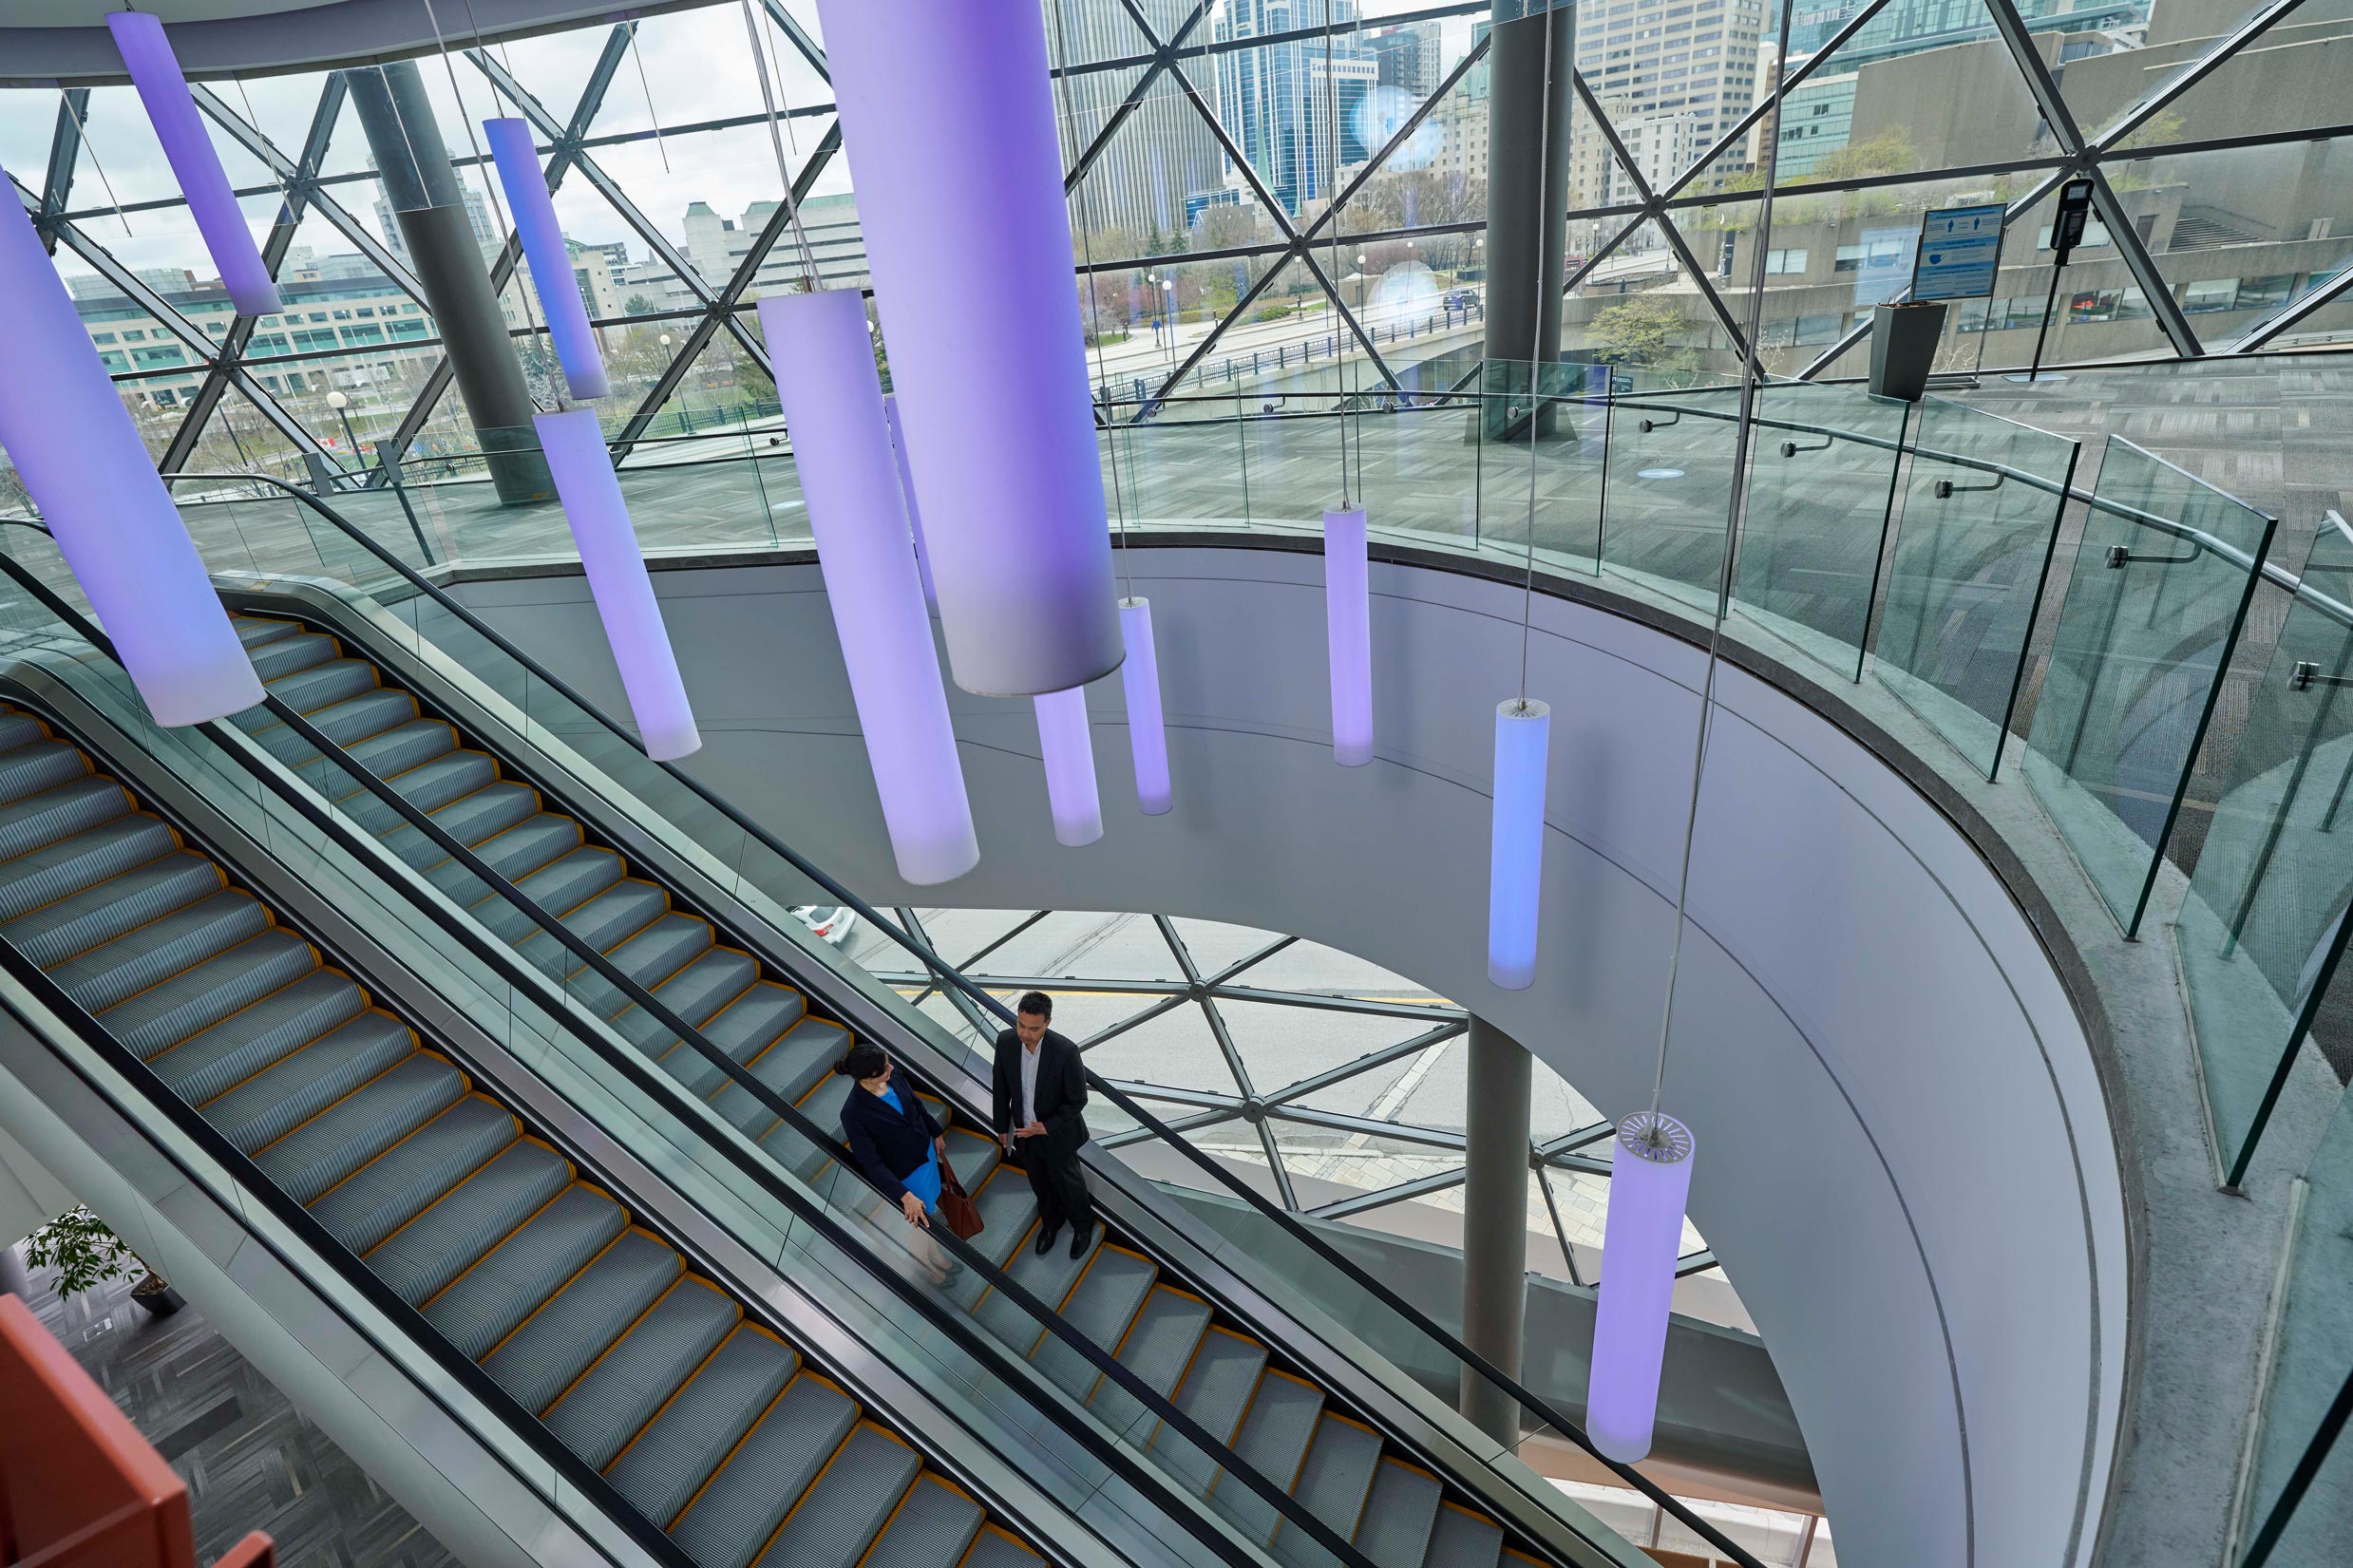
[2263, 923]
[2158, 593]
[1669, 501]
[1976, 527]
[1822, 469]
[1539, 479]
[2299, 1498]
[1178, 470]
[1342, 1306]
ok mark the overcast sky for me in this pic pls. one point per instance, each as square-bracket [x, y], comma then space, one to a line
[697, 65]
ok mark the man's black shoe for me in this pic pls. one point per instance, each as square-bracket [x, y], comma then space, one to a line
[1079, 1239]
[1045, 1238]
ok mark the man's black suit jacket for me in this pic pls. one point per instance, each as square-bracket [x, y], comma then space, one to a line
[1062, 1091]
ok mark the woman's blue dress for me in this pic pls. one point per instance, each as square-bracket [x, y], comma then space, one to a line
[924, 1180]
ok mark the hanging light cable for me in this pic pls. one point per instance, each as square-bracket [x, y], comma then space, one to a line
[822, 350]
[1347, 567]
[1650, 1173]
[1523, 727]
[1147, 736]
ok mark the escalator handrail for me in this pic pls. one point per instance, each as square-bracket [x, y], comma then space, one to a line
[350, 1269]
[954, 1325]
[1529, 1403]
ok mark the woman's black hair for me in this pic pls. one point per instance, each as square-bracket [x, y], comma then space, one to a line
[862, 1060]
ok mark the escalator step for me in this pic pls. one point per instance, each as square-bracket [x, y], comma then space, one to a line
[38, 767]
[280, 1024]
[766, 1475]
[696, 992]
[536, 841]
[609, 919]
[1462, 1540]
[934, 1525]
[401, 746]
[339, 1139]
[995, 1549]
[483, 1305]
[450, 778]
[161, 949]
[668, 1461]
[756, 1020]
[1215, 1393]
[603, 1410]
[1281, 1422]
[821, 1108]
[468, 818]
[1157, 1348]
[371, 714]
[73, 865]
[1101, 1305]
[801, 1056]
[18, 729]
[322, 685]
[39, 820]
[840, 1515]
[392, 1189]
[74, 925]
[200, 997]
[487, 812]
[1398, 1515]
[273, 1103]
[1336, 1477]
[469, 1219]
[561, 885]
[973, 1156]
[652, 954]
[541, 1358]
[284, 655]
[1007, 1210]
[256, 631]
[1047, 1278]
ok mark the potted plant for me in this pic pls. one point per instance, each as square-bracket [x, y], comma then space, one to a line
[85, 1253]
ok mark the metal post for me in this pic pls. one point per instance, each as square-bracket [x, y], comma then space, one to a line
[1495, 1167]
[427, 203]
[1527, 192]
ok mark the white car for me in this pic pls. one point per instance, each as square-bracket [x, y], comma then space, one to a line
[831, 923]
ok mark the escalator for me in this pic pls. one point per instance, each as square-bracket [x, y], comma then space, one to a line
[1278, 1414]
[697, 1415]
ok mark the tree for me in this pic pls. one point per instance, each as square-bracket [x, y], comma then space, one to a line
[1640, 329]
[639, 305]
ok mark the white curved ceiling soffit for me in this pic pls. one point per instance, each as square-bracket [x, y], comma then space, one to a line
[49, 41]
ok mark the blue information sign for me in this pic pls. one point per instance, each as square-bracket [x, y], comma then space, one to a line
[1959, 253]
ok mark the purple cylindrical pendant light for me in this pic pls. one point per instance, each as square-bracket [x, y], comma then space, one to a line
[1348, 631]
[552, 279]
[618, 581]
[1516, 844]
[833, 406]
[915, 515]
[83, 463]
[1649, 1181]
[948, 114]
[1148, 737]
[1068, 746]
[148, 55]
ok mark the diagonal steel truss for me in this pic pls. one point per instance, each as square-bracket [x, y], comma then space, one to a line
[1249, 1110]
[1164, 60]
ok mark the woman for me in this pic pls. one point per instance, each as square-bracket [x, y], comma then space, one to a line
[897, 1144]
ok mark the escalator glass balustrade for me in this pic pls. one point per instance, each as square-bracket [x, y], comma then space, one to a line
[705, 1421]
[1274, 1416]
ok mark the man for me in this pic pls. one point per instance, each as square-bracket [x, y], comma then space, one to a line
[1042, 1096]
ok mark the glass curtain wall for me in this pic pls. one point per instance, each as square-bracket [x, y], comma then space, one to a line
[1268, 195]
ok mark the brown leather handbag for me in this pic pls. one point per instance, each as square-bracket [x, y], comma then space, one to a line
[955, 1205]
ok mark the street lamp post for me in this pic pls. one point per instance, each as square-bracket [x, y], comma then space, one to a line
[350, 442]
[1168, 287]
